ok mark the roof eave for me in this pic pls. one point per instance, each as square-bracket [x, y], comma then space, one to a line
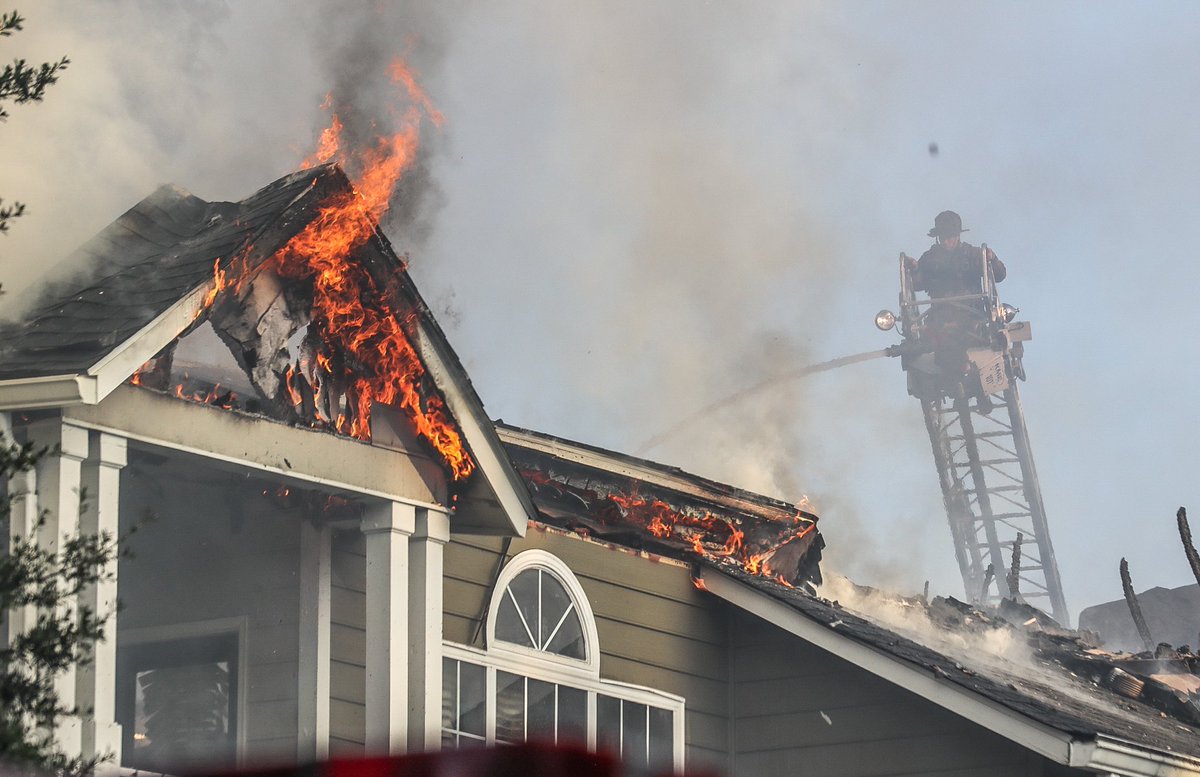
[642, 471]
[91, 387]
[480, 434]
[48, 391]
[124, 360]
[1115, 756]
[1042, 739]
[1101, 753]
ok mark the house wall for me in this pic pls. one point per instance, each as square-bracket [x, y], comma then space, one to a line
[800, 710]
[347, 644]
[210, 547]
[655, 628]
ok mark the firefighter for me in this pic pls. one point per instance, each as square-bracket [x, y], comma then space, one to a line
[953, 268]
[950, 267]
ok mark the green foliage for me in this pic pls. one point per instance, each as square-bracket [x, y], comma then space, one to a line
[21, 83]
[40, 584]
[61, 635]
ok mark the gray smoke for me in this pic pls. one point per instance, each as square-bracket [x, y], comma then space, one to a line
[637, 208]
[356, 48]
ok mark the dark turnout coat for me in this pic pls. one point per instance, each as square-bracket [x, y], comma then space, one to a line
[946, 272]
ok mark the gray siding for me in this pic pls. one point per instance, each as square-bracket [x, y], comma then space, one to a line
[655, 628]
[207, 548]
[803, 711]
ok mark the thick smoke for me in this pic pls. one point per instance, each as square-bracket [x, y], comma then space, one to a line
[612, 236]
[637, 208]
[356, 51]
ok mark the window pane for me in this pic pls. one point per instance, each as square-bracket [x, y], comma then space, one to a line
[510, 707]
[541, 710]
[509, 626]
[555, 603]
[633, 734]
[449, 693]
[608, 724]
[472, 702]
[662, 735]
[177, 703]
[572, 715]
[449, 741]
[182, 715]
[569, 639]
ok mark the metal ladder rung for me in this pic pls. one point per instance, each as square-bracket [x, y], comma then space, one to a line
[981, 434]
[988, 462]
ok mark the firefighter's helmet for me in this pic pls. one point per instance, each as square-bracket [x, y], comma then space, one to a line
[947, 224]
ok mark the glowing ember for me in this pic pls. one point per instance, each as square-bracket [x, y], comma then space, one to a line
[711, 536]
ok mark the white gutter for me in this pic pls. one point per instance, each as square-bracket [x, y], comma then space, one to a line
[1103, 754]
[48, 391]
[1115, 756]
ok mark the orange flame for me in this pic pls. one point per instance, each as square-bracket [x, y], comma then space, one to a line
[348, 309]
[350, 313]
[220, 283]
[717, 537]
[330, 141]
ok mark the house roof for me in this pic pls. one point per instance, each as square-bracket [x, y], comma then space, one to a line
[138, 267]
[1053, 699]
[143, 280]
[646, 505]
[1051, 690]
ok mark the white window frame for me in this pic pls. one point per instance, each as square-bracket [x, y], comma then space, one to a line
[561, 670]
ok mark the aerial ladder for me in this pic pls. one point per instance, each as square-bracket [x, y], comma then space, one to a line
[963, 358]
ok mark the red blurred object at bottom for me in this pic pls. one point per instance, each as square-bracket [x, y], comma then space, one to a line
[510, 761]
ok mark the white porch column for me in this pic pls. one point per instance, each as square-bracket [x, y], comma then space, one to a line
[313, 741]
[59, 477]
[23, 510]
[387, 528]
[97, 682]
[425, 630]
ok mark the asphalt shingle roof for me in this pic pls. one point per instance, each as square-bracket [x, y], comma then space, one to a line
[145, 261]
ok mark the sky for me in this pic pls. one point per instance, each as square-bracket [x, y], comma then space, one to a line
[637, 208]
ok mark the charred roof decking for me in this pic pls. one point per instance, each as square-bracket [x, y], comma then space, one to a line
[139, 288]
[644, 505]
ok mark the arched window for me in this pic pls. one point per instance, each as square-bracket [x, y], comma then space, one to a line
[539, 677]
[539, 608]
[537, 612]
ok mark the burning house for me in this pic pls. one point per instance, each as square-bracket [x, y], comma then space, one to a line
[339, 553]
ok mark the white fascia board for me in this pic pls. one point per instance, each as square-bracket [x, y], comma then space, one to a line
[1041, 739]
[113, 369]
[1115, 756]
[493, 464]
[124, 360]
[563, 450]
[684, 484]
[48, 391]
